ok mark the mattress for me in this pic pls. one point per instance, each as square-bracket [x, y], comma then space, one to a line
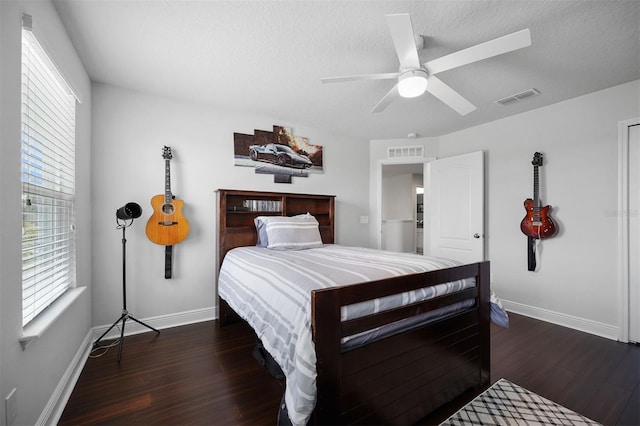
[271, 290]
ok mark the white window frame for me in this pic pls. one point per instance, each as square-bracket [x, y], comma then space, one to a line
[48, 181]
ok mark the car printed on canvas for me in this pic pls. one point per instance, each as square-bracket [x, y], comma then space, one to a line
[279, 154]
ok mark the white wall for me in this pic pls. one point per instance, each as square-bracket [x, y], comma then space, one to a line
[576, 281]
[398, 195]
[129, 131]
[36, 372]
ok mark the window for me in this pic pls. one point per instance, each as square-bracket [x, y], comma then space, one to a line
[48, 180]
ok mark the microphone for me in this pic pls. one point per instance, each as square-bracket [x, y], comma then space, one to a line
[129, 211]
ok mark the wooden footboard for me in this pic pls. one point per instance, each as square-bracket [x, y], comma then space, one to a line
[402, 378]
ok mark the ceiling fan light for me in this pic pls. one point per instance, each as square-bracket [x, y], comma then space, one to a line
[412, 83]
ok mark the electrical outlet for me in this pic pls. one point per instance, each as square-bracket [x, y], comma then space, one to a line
[10, 407]
[364, 219]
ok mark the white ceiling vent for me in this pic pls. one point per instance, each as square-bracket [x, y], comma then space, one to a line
[405, 152]
[518, 97]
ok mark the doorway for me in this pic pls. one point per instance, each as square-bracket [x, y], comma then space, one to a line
[399, 206]
[453, 207]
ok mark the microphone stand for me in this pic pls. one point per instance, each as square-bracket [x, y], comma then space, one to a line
[125, 314]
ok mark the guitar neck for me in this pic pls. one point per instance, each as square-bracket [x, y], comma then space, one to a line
[167, 182]
[536, 195]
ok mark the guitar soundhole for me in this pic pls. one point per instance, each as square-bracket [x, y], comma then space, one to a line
[167, 208]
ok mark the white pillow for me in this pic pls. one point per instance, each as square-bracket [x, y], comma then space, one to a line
[292, 233]
[261, 228]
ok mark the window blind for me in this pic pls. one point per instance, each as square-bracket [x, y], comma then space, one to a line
[48, 180]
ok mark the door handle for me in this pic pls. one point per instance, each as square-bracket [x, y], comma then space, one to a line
[476, 235]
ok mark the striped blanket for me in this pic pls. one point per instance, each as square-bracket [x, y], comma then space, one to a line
[271, 290]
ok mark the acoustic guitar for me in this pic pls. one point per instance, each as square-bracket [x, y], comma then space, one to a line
[167, 226]
[537, 223]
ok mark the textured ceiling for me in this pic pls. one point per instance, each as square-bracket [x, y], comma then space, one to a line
[267, 57]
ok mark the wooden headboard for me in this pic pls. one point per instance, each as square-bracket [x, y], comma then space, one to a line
[237, 209]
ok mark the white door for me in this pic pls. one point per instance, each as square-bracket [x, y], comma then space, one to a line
[457, 207]
[634, 233]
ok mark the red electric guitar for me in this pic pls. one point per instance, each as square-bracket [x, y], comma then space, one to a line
[537, 223]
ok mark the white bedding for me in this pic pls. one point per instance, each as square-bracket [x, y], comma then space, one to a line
[271, 290]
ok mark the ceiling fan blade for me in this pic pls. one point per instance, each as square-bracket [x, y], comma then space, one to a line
[387, 99]
[485, 50]
[449, 96]
[403, 39]
[381, 76]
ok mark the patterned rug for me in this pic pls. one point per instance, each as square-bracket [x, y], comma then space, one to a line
[505, 403]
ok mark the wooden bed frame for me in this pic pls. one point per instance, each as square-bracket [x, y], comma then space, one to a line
[395, 380]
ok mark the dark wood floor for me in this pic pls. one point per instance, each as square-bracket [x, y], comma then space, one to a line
[202, 375]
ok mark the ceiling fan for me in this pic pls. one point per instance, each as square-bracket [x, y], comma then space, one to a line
[414, 79]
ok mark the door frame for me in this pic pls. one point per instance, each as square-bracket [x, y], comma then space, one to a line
[624, 283]
[386, 162]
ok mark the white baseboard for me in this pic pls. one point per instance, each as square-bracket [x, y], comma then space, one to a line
[159, 322]
[55, 407]
[581, 324]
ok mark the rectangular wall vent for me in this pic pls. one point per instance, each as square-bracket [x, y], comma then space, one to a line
[518, 97]
[405, 151]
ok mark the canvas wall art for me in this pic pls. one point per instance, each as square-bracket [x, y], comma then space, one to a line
[278, 153]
